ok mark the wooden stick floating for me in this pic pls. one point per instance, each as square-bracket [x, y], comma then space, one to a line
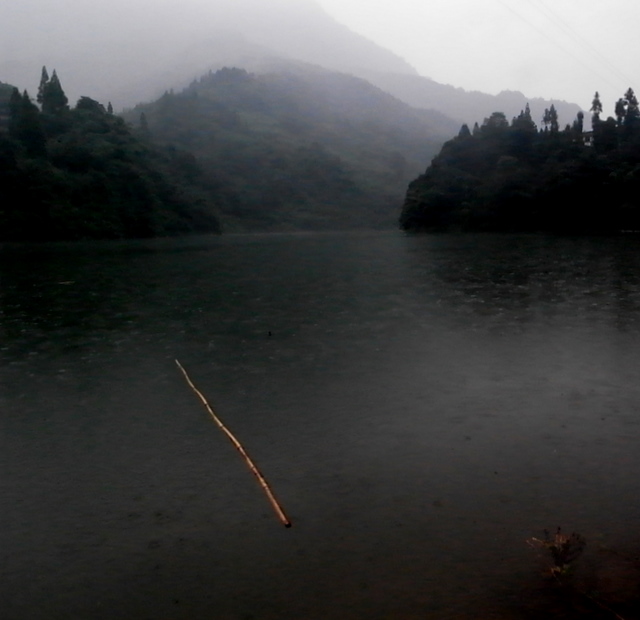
[261, 479]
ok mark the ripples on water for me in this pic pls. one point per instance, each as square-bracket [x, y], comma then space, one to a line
[422, 406]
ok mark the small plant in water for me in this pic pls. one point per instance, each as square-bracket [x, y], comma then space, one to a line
[564, 550]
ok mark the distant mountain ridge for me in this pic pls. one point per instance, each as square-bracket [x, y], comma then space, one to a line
[132, 52]
[463, 105]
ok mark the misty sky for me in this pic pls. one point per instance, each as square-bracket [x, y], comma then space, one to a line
[564, 49]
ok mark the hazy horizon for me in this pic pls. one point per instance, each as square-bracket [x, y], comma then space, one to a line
[557, 52]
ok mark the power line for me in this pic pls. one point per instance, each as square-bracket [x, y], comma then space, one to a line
[557, 44]
[558, 21]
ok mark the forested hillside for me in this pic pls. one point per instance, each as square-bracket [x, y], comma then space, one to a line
[81, 174]
[302, 148]
[513, 177]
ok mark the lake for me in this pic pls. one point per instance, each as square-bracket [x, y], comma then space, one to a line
[421, 405]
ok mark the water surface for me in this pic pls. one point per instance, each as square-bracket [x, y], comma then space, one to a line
[421, 405]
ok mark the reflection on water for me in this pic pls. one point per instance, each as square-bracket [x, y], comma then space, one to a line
[421, 405]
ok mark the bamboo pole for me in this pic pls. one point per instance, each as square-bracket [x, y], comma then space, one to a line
[261, 479]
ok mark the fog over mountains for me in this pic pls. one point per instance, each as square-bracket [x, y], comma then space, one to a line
[127, 52]
[134, 50]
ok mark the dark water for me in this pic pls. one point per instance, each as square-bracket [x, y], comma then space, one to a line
[422, 407]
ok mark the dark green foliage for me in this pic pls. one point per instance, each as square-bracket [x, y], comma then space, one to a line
[495, 124]
[82, 174]
[44, 80]
[51, 95]
[297, 149]
[632, 106]
[550, 119]
[144, 127]
[464, 131]
[578, 125]
[25, 124]
[631, 121]
[621, 110]
[596, 108]
[91, 105]
[515, 178]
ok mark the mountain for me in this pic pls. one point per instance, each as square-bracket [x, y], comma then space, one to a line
[127, 52]
[317, 128]
[297, 148]
[466, 106]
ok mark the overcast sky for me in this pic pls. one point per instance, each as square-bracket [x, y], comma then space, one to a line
[563, 49]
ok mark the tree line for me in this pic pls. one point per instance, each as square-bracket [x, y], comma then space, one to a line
[516, 176]
[82, 173]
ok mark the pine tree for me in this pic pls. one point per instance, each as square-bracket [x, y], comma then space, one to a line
[596, 109]
[578, 124]
[523, 121]
[632, 113]
[54, 100]
[553, 118]
[44, 79]
[545, 119]
[109, 108]
[464, 131]
[621, 110]
[550, 119]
